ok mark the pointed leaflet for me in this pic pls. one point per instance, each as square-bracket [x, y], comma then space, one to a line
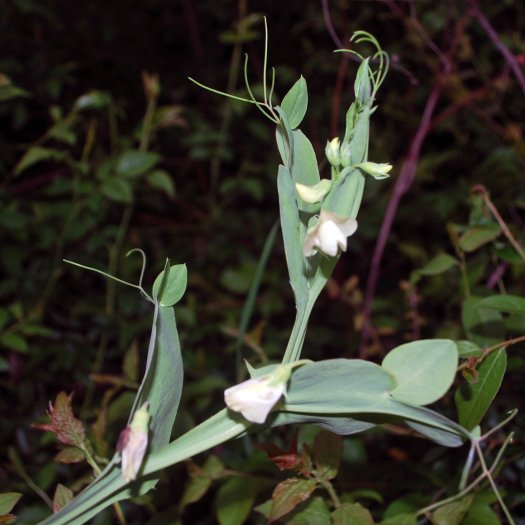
[291, 228]
[473, 400]
[304, 168]
[295, 103]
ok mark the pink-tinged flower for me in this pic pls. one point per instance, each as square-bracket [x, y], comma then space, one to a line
[133, 442]
[254, 398]
[329, 234]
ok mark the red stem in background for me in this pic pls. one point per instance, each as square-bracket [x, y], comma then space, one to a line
[403, 183]
[193, 28]
[502, 48]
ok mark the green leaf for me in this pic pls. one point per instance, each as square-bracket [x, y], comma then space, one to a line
[437, 265]
[92, 100]
[484, 326]
[288, 494]
[201, 480]
[10, 92]
[134, 163]
[423, 370]
[480, 513]
[62, 497]
[174, 286]
[162, 382]
[8, 500]
[118, 190]
[295, 102]
[304, 167]
[346, 195]
[468, 349]
[362, 84]
[477, 236]
[473, 400]
[452, 513]
[234, 500]
[400, 519]
[351, 514]
[290, 225]
[38, 154]
[359, 142]
[326, 454]
[70, 455]
[509, 304]
[360, 390]
[14, 342]
[161, 180]
[312, 512]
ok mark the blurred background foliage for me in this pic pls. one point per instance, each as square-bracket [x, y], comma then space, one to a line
[106, 146]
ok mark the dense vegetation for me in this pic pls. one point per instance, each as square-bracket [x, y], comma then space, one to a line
[107, 146]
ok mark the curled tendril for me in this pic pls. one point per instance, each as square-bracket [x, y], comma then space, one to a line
[380, 57]
[266, 106]
[121, 281]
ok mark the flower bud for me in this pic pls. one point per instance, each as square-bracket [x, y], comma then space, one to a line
[132, 443]
[313, 194]
[332, 152]
[376, 170]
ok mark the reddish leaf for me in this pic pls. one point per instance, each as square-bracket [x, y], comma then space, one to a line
[284, 459]
[62, 497]
[288, 494]
[68, 429]
[70, 455]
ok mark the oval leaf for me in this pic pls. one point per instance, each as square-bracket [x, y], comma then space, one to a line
[509, 304]
[477, 236]
[134, 163]
[118, 190]
[288, 494]
[174, 285]
[423, 370]
[352, 514]
[234, 501]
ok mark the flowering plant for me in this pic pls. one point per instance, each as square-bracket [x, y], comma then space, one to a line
[345, 396]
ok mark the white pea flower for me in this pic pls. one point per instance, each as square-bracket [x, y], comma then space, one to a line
[329, 234]
[254, 398]
[132, 443]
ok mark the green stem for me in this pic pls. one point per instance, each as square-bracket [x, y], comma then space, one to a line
[295, 343]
